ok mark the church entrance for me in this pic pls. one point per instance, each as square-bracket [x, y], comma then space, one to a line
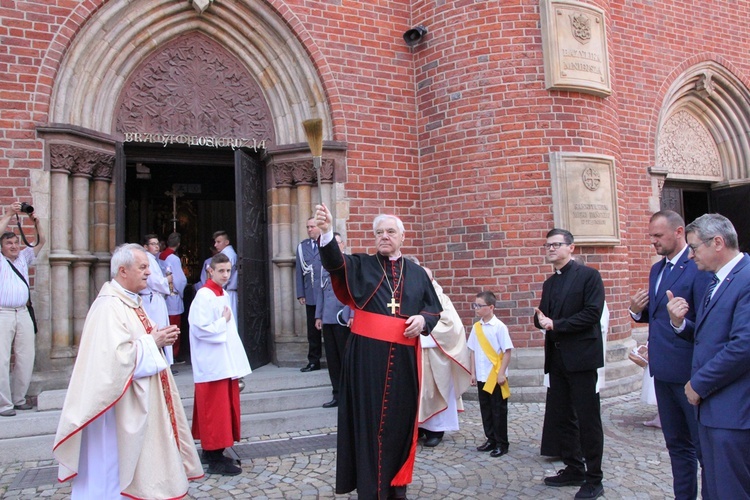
[691, 200]
[196, 191]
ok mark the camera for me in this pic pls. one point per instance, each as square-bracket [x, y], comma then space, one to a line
[26, 208]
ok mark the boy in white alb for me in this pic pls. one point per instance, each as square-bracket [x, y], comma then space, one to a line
[490, 347]
[219, 361]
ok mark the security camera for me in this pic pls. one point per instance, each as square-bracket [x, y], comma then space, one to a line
[414, 35]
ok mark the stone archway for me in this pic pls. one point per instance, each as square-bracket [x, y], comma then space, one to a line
[703, 130]
[93, 83]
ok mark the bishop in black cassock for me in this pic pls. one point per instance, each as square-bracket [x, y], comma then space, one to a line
[379, 391]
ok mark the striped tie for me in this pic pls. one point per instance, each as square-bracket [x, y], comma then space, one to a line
[710, 290]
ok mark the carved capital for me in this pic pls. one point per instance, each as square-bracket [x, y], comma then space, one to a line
[301, 172]
[81, 162]
[85, 163]
[62, 157]
[326, 170]
[304, 173]
[105, 164]
[282, 174]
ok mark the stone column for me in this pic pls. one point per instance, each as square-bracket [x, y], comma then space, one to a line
[294, 196]
[284, 260]
[62, 159]
[80, 241]
[100, 245]
[326, 181]
[82, 172]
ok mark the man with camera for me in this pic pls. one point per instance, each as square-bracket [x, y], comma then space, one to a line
[17, 326]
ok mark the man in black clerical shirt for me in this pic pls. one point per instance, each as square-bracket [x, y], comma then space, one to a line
[394, 303]
[570, 312]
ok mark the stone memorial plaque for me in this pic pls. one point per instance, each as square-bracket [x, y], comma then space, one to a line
[574, 42]
[584, 197]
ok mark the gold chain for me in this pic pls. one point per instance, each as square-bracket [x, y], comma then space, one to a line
[385, 276]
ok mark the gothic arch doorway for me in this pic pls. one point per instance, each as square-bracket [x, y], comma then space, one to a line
[703, 146]
[100, 95]
[184, 98]
[195, 192]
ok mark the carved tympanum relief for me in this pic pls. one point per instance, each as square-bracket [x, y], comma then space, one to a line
[686, 148]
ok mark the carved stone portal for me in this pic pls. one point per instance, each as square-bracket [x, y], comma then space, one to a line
[193, 86]
[687, 150]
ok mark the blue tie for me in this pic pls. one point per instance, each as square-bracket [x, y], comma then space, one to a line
[664, 274]
[667, 270]
[710, 290]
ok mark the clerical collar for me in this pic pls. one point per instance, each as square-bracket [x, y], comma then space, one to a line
[127, 292]
[214, 287]
[565, 268]
[392, 258]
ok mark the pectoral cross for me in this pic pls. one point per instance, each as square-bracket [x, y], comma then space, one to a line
[393, 305]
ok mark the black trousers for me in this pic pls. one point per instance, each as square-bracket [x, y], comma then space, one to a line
[334, 341]
[494, 411]
[576, 416]
[314, 338]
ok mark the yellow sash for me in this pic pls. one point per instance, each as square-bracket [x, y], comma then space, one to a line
[496, 359]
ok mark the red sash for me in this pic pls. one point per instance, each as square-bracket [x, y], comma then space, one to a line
[381, 327]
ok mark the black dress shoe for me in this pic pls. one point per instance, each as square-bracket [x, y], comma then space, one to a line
[488, 445]
[498, 452]
[331, 404]
[565, 477]
[432, 441]
[310, 368]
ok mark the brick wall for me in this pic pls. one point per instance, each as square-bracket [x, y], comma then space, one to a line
[453, 135]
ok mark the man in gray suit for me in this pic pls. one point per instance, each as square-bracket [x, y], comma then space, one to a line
[333, 318]
[308, 273]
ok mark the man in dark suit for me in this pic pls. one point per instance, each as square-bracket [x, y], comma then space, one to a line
[570, 312]
[719, 385]
[307, 274]
[669, 356]
[333, 319]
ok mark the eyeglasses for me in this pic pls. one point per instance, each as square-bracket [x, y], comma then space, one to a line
[693, 248]
[554, 245]
[476, 306]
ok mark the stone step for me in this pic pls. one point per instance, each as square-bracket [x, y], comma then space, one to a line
[282, 422]
[275, 401]
[30, 448]
[266, 379]
[39, 447]
[279, 400]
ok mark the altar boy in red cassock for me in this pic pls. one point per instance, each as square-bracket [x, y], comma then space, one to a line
[219, 361]
[379, 391]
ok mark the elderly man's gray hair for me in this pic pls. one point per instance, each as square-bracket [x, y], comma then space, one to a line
[709, 225]
[124, 256]
[382, 217]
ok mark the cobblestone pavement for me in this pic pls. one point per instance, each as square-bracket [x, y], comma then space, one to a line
[636, 463]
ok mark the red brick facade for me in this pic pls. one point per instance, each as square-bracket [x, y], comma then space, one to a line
[453, 134]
